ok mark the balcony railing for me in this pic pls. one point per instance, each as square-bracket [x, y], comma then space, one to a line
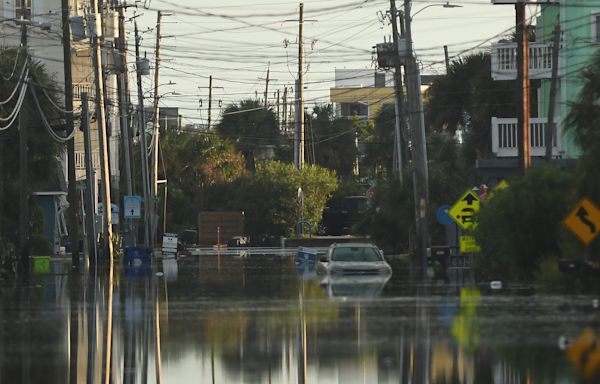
[504, 61]
[505, 141]
[80, 163]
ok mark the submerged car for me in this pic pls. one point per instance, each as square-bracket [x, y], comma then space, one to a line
[353, 259]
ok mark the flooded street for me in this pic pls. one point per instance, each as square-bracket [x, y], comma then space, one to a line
[262, 318]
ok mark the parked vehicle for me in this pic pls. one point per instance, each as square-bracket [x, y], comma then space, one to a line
[339, 219]
[360, 259]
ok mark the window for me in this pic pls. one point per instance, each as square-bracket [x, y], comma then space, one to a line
[23, 9]
[596, 28]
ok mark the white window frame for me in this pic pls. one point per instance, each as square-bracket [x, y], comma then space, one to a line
[595, 23]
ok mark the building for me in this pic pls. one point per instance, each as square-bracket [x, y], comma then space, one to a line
[579, 39]
[361, 92]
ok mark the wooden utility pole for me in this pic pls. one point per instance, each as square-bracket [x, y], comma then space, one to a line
[285, 109]
[278, 110]
[549, 131]
[446, 59]
[524, 147]
[155, 136]
[143, 143]
[267, 86]
[300, 92]
[74, 221]
[209, 100]
[24, 164]
[102, 133]
[398, 90]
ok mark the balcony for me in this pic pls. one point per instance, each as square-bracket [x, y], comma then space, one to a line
[80, 163]
[504, 61]
[505, 141]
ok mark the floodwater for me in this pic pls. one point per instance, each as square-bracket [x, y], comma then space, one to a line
[264, 319]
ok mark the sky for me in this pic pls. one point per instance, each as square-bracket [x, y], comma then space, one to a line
[236, 41]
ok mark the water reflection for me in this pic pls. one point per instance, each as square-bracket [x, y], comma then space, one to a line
[264, 319]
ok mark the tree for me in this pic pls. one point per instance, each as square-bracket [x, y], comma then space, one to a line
[467, 97]
[43, 153]
[334, 140]
[379, 144]
[269, 198]
[521, 224]
[249, 126]
[583, 120]
[193, 164]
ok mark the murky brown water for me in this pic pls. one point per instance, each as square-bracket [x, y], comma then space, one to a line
[263, 319]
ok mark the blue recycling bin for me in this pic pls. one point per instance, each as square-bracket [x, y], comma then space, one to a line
[137, 261]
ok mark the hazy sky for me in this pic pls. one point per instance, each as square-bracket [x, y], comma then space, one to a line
[235, 41]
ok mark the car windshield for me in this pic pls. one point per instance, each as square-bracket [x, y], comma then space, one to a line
[359, 254]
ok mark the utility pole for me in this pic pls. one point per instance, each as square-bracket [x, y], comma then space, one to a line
[285, 111]
[102, 133]
[446, 59]
[523, 87]
[419, 152]
[123, 91]
[24, 163]
[278, 114]
[74, 231]
[143, 144]
[155, 135]
[90, 195]
[209, 100]
[399, 106]
[267, 86]
[300, 93]
[549, 132]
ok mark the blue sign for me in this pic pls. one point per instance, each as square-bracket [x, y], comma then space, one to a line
[443, 216]
[132, 207]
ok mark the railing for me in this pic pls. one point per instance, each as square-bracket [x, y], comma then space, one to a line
[505, 140]
[504, 61]
[80, 160]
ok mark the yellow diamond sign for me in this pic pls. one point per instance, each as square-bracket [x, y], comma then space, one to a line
[584, 220]
[465, 209]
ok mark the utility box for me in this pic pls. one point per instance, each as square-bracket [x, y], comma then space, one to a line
[219, 227]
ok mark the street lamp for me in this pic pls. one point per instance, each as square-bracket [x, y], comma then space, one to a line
[445, 5]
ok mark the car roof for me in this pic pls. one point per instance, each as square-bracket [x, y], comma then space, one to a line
[353, 245]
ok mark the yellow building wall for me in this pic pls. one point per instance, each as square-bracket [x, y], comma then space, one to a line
[372, 96]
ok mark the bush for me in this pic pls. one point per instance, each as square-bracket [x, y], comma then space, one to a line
[521, 225]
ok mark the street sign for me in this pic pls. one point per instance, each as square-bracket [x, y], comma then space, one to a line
[169, 244]
[443, 216]
[132, 207]
[468, 244]
[114, 212]
[584, 221]
[464, 210]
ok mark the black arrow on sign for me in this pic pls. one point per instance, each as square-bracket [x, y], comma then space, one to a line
[583, 216]
[469, 199]
[132, 211]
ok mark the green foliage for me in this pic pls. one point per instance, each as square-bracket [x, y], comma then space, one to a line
[42, 151]
[583, 120]
[390, 221]
[334, 146]
[521, 225]
[269, 198]
[379, 143]
[193, 164]
[249, 126]
[467, 97]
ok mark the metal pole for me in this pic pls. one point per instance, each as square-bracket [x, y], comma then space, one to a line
[24, 166]
[155, 136]
[90, 196]
[143, 144]
[419, 158]
[209, 100]
[548, 134]
[399, 106]
[300, 95]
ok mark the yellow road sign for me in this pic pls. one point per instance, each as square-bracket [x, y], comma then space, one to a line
[584, 220]
[465, 209]
[468, 244]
